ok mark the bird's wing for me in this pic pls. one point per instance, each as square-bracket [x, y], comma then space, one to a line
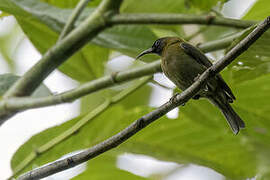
[199, 56]
[196, 54]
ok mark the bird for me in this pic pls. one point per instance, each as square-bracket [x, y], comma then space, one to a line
[183, 63]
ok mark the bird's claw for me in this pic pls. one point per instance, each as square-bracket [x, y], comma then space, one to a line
[196, 97]
[206, 88]
[113, 77]
[197, 77]
[173, 99]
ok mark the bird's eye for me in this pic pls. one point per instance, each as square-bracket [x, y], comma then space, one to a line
[156, 44]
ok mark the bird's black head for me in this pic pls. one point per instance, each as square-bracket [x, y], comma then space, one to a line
[156, 48]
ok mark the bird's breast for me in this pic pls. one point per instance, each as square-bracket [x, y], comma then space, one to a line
[181, 69]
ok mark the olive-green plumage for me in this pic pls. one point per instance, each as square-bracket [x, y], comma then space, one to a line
[182, 63]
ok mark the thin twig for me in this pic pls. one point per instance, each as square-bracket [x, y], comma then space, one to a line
[195, 34]
[139, 124]
[73, 17]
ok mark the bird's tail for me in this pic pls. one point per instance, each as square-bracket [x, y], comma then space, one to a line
[235, 122]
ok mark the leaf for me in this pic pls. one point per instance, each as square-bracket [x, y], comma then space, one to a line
[129, 40]
[70, 3]
[4, 14]
[97, 167]
[203, 5]
[6, 81]
[87, 136]
[140, 97]
[157, 6]
[254, 62]
[259, 11]
[9, 42]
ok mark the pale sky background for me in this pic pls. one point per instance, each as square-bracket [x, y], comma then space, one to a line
[21, 127]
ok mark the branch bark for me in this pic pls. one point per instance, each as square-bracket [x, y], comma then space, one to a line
[167, 19]
[141, 123]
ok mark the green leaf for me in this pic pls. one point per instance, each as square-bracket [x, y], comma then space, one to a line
[9, 43]
[89, 135]
[254, 62]
[203, 5]
[157, 6]
[129, 40]
[106, 163]
[6, 81]
[259, 11]
[4, 14]
[140, 97]
[70, 3]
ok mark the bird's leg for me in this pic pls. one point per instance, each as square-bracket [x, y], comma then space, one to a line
[197, 77]
[205, 89]
[113, 77]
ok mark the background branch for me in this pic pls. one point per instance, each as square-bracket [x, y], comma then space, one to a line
[122, 136]
[178, 19]
[14, 104]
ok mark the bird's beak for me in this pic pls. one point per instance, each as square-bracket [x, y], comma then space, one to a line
[147, 51]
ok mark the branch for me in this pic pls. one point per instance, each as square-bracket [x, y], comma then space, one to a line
[220, 43]
[141, 123]
[169, 19]
[85, 119]
[73, 17]
[22, 103]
